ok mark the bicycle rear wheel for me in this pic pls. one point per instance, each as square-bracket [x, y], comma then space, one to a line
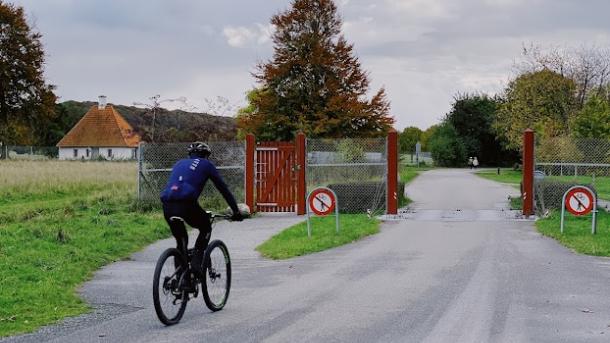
[217, 281]
[169, 297]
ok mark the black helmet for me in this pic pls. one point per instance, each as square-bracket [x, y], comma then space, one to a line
[199, 149]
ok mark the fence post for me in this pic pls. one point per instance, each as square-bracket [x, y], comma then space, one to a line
[392, 170]
[249, 172]
[528, 172]
[301, 168]
[140, 171]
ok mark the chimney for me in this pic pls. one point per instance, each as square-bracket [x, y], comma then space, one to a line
[101, 104]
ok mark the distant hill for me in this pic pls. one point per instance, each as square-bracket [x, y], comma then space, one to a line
[171, 126]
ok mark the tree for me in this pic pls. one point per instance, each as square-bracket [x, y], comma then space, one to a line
[472, 116]
[543, 100]
[27, 103]
[446, 147]
[426, 135]
[313, 83]
[409, 138]
[593, 121]
[587, 66]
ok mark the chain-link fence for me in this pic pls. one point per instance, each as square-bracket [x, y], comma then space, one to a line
[21, 152]
[355, 169]
[563, 162]
[156, 161]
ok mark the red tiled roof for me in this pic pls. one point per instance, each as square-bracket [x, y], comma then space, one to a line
[101, 128]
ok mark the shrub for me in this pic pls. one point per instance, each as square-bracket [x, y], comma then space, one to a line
[362, 196]
[447, 148]
[551, 193]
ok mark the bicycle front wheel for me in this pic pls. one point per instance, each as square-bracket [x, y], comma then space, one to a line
[169, 296]
[217, 281]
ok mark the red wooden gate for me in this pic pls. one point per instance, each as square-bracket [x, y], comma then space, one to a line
[276, 177]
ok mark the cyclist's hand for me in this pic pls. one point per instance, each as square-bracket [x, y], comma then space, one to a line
[237, 217]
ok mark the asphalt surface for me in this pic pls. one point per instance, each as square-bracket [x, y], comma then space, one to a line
[458, 267]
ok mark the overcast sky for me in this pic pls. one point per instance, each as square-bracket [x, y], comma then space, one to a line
[422, 51]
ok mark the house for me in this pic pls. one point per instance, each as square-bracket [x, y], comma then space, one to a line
[101, 133]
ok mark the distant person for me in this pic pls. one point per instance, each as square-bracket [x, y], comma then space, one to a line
[475, 162]
[470, 162]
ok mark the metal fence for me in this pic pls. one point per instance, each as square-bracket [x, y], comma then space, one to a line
[21, 152]
[354, 168]
[562, 162]
[156, 161]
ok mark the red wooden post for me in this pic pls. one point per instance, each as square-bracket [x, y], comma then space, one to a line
[249, 173]
[528, 172]
[301, 166]
[392, 177]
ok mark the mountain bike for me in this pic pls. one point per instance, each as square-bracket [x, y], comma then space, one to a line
[175, 283]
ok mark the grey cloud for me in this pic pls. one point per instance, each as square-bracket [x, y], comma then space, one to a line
[423, 51]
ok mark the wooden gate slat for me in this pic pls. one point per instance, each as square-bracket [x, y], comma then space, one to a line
[275, 177]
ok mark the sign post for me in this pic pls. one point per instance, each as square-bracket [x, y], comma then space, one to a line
[417, 152]
[580, 201]
[322, 201]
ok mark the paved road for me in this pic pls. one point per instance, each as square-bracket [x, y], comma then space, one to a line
[458, 268]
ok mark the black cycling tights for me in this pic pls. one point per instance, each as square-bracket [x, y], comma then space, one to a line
[194, 216]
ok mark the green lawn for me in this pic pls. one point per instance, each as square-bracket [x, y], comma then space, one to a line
[294, 241]
[513, 178]
[577, 233]
[407, 173]
[54, 233]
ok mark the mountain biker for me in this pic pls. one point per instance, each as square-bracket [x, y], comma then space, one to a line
[181, 194]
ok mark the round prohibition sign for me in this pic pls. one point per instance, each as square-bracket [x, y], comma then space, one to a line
[322, 202]
[579, 201]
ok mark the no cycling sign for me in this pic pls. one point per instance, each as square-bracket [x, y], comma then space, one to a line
[580, 201]
[322, 201]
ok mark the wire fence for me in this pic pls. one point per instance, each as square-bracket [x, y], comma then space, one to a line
[355, 169]
[563, 162]
[23, 152]
[156, 161]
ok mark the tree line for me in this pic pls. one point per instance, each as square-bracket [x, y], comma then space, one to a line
[558, 92]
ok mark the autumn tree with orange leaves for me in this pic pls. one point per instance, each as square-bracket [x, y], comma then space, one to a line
[313, 83]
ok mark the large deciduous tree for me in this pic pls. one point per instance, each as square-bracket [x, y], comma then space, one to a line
[409, 138]
[472, 117]
[543, 100]
[313, 83]
[593, 121]
[26, 101]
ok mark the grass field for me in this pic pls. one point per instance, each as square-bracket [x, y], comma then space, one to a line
[513, 178]
[407, 173]
[295, 242]
[577, 233]
[59, 222]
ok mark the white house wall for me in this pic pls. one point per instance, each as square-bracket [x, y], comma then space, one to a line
[116, 154]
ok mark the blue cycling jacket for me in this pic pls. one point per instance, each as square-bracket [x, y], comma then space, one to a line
[188, 178]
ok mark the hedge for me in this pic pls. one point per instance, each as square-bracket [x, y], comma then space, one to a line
[358, 197]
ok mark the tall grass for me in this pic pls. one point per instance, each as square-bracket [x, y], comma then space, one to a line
[59, 222]
[31, 176]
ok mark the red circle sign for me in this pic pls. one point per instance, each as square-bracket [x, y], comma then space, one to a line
[579, 201]
[322, 201]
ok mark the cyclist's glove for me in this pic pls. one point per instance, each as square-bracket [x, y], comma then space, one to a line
[237, 217]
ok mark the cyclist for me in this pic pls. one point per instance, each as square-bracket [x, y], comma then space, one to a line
[180, 199]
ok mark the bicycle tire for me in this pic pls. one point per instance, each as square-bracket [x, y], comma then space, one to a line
[216, 302]
[156, 290]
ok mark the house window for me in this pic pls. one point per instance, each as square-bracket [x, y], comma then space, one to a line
[75, 152]
[110, 153]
